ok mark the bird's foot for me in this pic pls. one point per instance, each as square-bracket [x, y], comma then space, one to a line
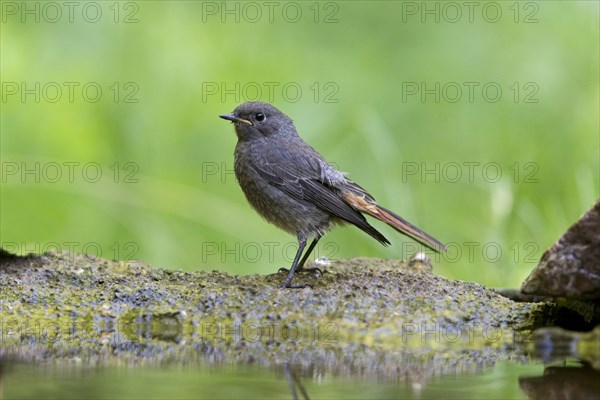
[316, 270]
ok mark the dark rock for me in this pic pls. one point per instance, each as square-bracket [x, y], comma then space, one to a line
[571, 267]
[562, 383]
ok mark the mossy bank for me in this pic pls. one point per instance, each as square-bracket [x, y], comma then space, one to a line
[367, 315]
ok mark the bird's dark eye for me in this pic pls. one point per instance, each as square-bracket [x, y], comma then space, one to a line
[259, 117]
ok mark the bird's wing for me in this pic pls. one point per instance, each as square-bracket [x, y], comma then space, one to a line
[311, 179]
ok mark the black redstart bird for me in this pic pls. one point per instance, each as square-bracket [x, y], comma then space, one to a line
[292, 186]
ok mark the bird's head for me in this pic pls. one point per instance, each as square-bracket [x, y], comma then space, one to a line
[255, 120]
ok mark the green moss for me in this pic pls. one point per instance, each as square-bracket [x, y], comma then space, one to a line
[67, 305]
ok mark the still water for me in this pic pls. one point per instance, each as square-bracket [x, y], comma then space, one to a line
[505, 380]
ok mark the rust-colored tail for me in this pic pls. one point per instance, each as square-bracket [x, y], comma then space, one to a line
[368, 206]
[405, 227]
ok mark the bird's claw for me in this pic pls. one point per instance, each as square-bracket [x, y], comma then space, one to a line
[314, 269]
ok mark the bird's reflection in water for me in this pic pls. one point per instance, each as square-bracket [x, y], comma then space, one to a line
[294, 381]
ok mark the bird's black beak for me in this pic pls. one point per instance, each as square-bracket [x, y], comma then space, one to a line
[233, 118]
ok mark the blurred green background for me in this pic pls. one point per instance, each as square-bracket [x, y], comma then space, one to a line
[477, 123]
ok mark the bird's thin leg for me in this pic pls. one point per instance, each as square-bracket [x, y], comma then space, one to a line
[306, 255]
[308, 251]
[301, 246]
